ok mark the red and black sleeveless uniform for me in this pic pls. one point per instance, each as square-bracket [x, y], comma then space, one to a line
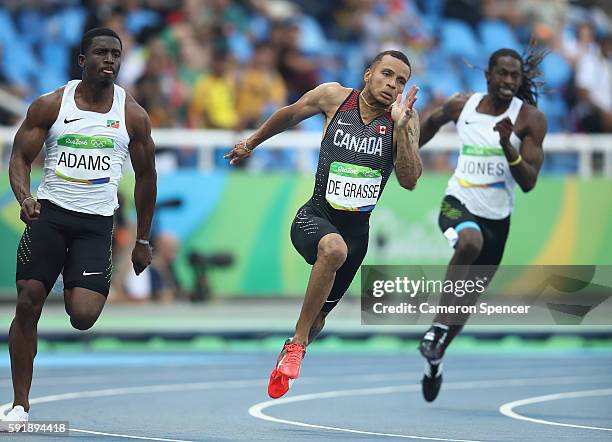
[348, 140]
[355, 162]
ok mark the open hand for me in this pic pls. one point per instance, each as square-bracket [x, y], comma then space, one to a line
[402, 109]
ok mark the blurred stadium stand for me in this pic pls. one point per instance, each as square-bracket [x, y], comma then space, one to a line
[170, 50]
[169, 45]
[267, 53]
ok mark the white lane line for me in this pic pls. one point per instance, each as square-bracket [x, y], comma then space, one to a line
[257, 410]
[57, 380]
[4, 408]
[135, 390]
[507, 409]
[258, 382]
[125, 436]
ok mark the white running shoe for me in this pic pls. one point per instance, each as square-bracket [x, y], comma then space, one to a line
[17, 415]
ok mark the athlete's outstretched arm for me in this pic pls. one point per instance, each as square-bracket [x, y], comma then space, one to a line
[408, 166]
[449, 111]
[323, 98]
[26, 146]
[525, 166]
[142, 154]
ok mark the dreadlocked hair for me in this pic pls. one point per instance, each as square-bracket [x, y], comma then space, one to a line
[530, 67]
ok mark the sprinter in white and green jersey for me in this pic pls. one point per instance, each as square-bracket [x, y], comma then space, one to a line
[501, 134]
[88, 127]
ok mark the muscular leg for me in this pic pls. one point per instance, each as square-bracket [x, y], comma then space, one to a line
[317, 326]
[331, 254]
[467, 250]
[83, 306]
[459, 320]
[31, 295]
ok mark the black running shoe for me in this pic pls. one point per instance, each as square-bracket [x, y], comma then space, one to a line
[432, 381]
[432, 344]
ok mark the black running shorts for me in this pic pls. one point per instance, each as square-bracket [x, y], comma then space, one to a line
[309, 226]
[61, 239]
[454, 217]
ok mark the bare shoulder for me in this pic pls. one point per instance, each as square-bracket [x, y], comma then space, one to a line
[44, 110]
[456, 102]
[331, 95]
[334, 90]
[532, 114]
[136, 118]
[531, 119]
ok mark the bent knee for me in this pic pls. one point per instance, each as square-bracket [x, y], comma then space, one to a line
[470, 244]
[333, 250]
[83, 322]
[30, 300]
[83, 319]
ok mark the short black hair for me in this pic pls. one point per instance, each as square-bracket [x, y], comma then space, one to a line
[393, 53]
[97, 32]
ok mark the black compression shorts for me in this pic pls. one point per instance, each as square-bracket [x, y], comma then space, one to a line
[454, 215]
[78, 243]
[309, 226]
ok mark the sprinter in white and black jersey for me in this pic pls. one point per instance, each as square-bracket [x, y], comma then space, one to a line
[367, 134]
[501, 134]
[88, 128]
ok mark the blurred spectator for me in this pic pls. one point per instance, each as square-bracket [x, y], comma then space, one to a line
[158, 90]
[545, 18]
[348, 20]
[135, 288]
[580, 43]
[594, 88]
[213, 102]
[165, 287]
[261, 89]
[504, 10]
[299, 72]
[6, 118]
[469, 11]
[171, 48]
[158, 281]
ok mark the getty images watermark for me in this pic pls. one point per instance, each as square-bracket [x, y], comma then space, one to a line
[489, 295]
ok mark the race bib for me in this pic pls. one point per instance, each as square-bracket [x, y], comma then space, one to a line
[84, 159]
[481, 166]
[351, 187]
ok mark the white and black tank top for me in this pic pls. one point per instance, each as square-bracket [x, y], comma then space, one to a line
[482, 180]
[85, 152]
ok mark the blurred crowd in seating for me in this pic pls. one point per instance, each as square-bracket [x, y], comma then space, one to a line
[228, 64]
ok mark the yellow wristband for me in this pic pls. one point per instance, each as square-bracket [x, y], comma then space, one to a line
[517, 161]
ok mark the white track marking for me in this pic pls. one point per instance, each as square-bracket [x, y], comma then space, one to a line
[125, 436]
[507, 409]
[258, 382]
[56, 380]
[173, 388]
[257, 409]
